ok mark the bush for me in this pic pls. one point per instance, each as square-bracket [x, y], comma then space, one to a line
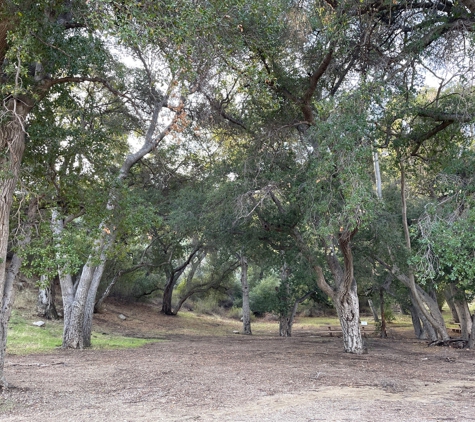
[263, 297]
[235, 313]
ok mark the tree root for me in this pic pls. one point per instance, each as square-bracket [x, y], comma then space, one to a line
[456, 343]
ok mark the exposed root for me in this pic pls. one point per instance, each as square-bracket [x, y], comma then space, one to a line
[456, 343]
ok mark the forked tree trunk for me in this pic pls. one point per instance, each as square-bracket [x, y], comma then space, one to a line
[173, 276]
[344, 292]
[287, 321]
[246, 308]
[79, 305]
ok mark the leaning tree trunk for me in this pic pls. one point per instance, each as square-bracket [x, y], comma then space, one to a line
[91, 295]
[12, 144]
[246, 308]
[373, 310]
[80, 305]
[423, 329]
[421, 298]
[461, 307]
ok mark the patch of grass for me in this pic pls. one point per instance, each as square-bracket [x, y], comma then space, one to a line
[106, 341]
[320, 321]
[25, 338]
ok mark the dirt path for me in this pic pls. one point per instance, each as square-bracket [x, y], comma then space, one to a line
[238, 378]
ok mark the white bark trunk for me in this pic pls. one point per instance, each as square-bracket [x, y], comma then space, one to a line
[45, 305]
[91, 297]
[80, 306]
[377, 175]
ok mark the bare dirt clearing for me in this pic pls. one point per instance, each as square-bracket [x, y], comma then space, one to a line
[238, 378]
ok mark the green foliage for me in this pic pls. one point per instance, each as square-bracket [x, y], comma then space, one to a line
[264, 297]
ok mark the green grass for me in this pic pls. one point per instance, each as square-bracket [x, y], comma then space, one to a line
[25, 338]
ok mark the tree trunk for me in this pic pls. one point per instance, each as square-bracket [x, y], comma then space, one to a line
[98, 308]
[246, 308]
[12, 144]
[373, 310]
[416, 323]
[80, 305]
[46, 295]
[450, 301]
[427, 330]
[167, 308]
[347, 307]
[344, 293]
[377, 175]
[471, 341]
[421, 298]
[384, 334]
[461, 307]
[91, 296]
[346, 296]
[285, 326]
[173, 276]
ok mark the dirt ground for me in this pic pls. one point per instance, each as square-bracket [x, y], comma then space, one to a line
[190, 377]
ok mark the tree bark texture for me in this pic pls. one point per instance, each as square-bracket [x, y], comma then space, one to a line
[461, 308]
[46, 295]
[344, 292]
[12, 145]
[246, 308]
